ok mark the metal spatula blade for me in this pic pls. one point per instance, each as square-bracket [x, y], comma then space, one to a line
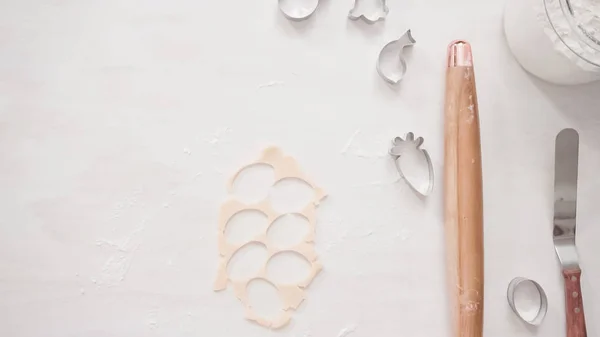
[565, 197]
[565, 216]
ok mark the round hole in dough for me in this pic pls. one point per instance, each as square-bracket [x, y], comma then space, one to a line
[245, 226]
[253, 182]
[247, 261]
[288, 230]
[291, 195]
[288, 267]
[264, 299]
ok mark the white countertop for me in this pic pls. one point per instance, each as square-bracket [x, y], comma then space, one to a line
[121, 121]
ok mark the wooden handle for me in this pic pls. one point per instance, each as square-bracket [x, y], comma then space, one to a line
[574, 304]
[463, 202]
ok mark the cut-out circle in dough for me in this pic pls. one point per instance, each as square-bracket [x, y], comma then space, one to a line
[264, 299]
[247, 261]
[291, 195]
[288, 267]
[253, 183]
[288, 230]
[245, 226]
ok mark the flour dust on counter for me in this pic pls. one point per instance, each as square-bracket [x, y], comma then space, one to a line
[363, 145]
[218, 135]
[347, 331]
[349, 142]
[271, 84]
[266, 238]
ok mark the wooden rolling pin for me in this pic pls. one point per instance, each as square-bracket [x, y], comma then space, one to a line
[463, 195]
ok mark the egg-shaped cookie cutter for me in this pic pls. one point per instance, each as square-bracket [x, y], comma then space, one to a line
[543, 305]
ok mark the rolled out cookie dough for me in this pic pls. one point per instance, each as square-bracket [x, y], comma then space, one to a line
[292, 295]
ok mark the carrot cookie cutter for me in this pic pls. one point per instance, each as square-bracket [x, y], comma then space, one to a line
[393, 72]
[401, 147]
[292, 295]
[298, 10]
[543, 303]
[379, 13]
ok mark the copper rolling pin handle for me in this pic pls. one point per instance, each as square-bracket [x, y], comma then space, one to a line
[459, 54]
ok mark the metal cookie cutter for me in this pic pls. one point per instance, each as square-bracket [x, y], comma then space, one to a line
[402, 147]
[379, 14]
[542, 305]
[394, 73]
[298, 10]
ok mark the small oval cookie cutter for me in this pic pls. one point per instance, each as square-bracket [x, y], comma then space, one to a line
[298, 10]
[404, 41]
[379, 15]
[399, 147]
[543, 305]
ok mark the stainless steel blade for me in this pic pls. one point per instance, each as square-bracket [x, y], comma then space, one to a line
[565, 197]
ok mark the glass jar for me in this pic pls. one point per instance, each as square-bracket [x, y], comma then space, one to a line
[555, 40]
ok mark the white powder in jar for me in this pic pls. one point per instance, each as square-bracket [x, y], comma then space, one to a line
[587, 15]
[543, 40]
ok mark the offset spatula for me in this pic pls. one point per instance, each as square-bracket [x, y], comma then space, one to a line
[565, 212]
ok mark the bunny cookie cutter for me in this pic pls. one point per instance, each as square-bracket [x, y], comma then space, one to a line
[379, 13]
[401, 147]
[391, 73]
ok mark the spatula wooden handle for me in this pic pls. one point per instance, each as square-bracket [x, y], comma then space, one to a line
[463, 199]
[574, 304]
